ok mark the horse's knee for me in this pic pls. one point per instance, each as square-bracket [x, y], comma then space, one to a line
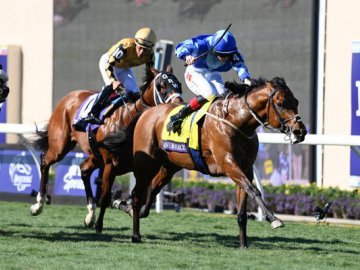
[252, 191]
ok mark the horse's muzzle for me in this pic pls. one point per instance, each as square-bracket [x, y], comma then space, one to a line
[298, 135]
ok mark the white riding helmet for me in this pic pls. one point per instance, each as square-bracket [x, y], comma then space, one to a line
[145, 37]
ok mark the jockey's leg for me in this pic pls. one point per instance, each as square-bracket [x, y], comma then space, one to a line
[128, 79]
[99, 104]
[177, 119]
[199, 82]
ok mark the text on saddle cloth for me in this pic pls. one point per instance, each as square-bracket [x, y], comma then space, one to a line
[189, 136]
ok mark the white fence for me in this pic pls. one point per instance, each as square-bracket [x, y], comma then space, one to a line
[277, 138]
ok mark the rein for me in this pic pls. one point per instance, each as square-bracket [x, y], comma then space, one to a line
[223, 120]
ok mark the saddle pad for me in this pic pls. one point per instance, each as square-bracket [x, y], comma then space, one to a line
[85, 108]
[189, 136]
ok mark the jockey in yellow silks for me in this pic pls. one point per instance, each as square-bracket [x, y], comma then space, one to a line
[116, 68]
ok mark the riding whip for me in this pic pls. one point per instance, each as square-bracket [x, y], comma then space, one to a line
[213, 46]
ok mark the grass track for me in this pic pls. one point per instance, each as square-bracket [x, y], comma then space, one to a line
[188, 240]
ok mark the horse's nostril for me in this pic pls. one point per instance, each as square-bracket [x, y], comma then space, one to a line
[297, 132]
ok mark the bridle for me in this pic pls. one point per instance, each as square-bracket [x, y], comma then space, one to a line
[173, 89]
[287, 130]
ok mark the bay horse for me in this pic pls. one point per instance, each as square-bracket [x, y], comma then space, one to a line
[60, 137]
[228, 144]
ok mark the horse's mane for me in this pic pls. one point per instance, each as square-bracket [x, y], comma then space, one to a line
[149, 76]
[240, 88]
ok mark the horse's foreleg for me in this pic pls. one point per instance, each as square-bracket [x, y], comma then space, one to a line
[238, 176]
[87, 167]
[241, 198]
[105, 198]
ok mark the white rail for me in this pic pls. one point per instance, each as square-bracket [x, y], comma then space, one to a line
[17, 128]
[312, 139]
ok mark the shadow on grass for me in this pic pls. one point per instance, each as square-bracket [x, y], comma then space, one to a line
[80, 234]
[232, 241]
[123, 235]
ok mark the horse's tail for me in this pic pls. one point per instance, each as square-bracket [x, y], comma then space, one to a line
[42, 141]
[122, 139]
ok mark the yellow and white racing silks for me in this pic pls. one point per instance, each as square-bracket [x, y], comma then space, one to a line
[123, 55]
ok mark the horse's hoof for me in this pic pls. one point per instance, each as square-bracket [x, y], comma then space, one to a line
[89, 224]
[277, 223]
[98, 229]
[35, 210]
[136, 239]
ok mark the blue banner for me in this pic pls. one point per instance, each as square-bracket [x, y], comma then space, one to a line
[355, 113]
[68, 180]
[18, 172]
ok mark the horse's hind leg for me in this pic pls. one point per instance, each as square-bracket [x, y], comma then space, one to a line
[59, 146]
[241, 198]
[50, 157]
[87, 167]
[107, 183]
[162, 178]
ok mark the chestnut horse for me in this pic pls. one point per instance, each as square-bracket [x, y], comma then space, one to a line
[60, 137]
[228, 142]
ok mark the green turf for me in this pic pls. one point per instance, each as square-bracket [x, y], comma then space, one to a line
[188, 240]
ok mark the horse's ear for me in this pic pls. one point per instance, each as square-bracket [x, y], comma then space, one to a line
[154, 70]
[169, 69]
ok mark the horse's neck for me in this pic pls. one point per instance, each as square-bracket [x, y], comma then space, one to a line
[234, 110]
[148, 98]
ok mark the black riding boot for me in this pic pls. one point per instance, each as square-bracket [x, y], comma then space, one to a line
[99, 105]
[176, 120]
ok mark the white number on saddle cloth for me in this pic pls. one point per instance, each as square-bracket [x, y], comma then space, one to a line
[85, 108]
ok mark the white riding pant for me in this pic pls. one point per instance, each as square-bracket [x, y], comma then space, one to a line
[203, 82]
[125, 76]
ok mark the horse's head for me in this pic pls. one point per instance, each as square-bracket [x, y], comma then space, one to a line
[4, 91]
[160, 87]
[279, 108]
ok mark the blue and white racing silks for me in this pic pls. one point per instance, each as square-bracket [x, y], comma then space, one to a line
[200, 44]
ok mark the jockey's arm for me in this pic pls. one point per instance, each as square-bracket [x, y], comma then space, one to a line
[241, 69]
[185, 49]
[116, 53]
[150, 60]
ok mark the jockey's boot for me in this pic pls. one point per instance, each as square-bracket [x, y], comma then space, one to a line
[176, 120]
[99, 105]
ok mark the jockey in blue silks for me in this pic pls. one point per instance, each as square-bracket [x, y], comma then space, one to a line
[202, 75]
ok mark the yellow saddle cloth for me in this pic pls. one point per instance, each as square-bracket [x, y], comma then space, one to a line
[189, 136]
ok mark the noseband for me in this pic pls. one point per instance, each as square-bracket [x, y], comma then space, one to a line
[283, 128]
